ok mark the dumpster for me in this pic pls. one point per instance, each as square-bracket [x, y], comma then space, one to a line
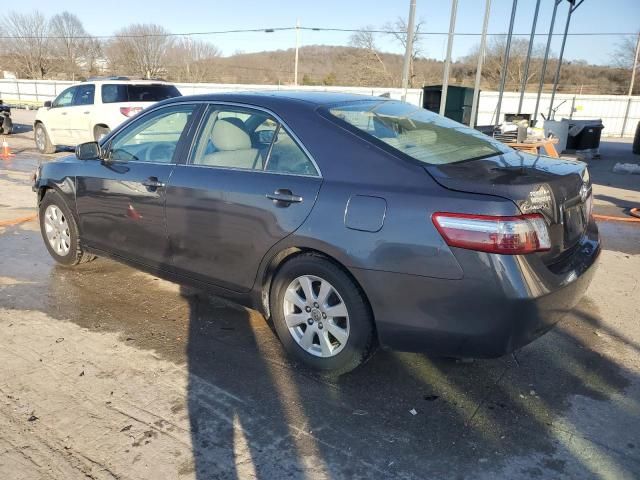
[458, 106]
[584, 134]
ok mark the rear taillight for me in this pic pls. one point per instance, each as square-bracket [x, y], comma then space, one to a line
[130, 111]
[506, 235]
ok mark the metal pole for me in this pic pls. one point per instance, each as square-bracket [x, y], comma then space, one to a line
[408, 53]
[447, 63]
[556, 79]
[635, 67]
[546, 57]
[295, 67]
[483, 45]
[525, 79]
[503, 74]
[633, 79]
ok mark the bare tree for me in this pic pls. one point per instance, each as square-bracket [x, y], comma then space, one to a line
[192, 60]
[140, 49]
[398, 31]
[26, 43]
[625, 52]
[69, 41]
[93, 61]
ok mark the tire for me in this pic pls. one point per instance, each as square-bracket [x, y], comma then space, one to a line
[69, 251]
[41, 137]
[337, 357]
[7, 125]
[99, 132]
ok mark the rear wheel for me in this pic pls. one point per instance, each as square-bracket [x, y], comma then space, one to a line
[43, 144]
[320, 314]
[60, 231]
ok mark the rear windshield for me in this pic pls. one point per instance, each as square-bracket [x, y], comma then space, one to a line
[417, 132]
[122, 92]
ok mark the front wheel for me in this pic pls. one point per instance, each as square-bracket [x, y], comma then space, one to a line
[43, 143]
[320, 315]
[60, 231]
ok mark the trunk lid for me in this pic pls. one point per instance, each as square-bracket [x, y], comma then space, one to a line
[558, 189]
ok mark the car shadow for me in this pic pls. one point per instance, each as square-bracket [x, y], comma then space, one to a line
[566, 406]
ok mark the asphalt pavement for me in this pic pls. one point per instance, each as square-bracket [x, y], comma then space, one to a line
[112, 373]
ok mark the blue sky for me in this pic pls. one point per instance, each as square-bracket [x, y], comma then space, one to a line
[207, 15]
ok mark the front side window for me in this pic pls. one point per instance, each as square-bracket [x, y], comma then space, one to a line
[65, 99]
[84, 95]
[242, 138]
[153, 137]
[417, 132]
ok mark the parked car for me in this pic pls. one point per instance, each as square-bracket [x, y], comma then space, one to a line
[351, 221]
[90, 110]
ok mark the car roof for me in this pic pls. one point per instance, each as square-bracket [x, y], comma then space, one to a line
[280, 97]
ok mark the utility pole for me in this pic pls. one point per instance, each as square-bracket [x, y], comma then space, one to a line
[408, 53]
[505, 63]
[483, 46]
[295, 67]
[447, 63]
[523, 86]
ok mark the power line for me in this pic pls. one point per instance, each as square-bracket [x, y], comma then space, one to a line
[284, 29]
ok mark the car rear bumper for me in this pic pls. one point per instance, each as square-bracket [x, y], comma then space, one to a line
[501, 304]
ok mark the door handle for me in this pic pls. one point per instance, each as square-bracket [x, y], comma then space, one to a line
[283, 197]
[63, 113]
[86, 113]
[153, 183]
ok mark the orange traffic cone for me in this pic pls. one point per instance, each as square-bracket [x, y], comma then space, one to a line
[6, 150]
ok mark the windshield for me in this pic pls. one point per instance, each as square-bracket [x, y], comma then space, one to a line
[417, 132]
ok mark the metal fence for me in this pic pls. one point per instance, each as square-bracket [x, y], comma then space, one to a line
[620, 114]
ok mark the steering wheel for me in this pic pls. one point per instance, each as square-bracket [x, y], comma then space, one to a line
[160, 152]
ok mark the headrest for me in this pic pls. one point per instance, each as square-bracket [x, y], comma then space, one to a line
[227, 136]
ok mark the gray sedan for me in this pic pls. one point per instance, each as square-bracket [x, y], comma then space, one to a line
[351, 222]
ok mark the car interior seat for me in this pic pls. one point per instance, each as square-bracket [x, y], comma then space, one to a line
[232, 147]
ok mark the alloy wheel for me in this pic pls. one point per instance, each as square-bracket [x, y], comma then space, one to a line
[316, 316]
[57, 230]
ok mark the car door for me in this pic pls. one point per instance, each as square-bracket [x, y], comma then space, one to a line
[79, 113]
[121, 199]
[247, 184]
[58, 122]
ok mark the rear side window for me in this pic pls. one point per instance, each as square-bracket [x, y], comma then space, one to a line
[419, 133]
[123, 92]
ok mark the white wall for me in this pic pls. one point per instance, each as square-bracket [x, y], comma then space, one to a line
[610, 108]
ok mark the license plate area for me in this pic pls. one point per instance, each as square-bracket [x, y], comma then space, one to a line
[574, 223]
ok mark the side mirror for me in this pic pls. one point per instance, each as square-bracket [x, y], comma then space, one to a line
[47, 104]
[89, 151]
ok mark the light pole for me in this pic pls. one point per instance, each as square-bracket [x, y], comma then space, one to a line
[295, 67]
[572, 7]
[505, 63]
[447, 63]
[523, 86]
[546, 58]
[408, 53]
[483, 46]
